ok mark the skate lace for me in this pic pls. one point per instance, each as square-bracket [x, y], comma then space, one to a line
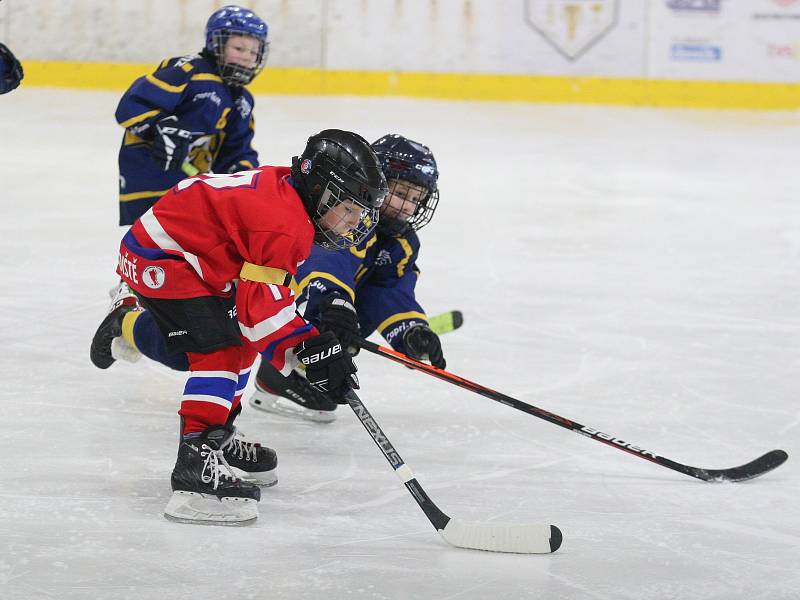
[212, 467]
[243, 450]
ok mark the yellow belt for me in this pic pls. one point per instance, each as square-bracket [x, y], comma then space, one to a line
[251, 272]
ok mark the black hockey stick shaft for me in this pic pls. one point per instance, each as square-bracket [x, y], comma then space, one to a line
[437, 518]
[495, 537]
[757, 467]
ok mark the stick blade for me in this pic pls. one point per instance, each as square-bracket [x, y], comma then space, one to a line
[520, 539]
[446, 322]
[763, 464]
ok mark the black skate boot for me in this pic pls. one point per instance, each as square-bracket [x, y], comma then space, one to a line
[290, 396]
[107, 344]
[205, 490]
[250, 460]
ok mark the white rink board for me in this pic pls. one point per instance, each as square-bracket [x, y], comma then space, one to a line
[714, 40]
[753, 40]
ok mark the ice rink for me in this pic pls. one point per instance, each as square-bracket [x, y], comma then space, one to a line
[636, 270]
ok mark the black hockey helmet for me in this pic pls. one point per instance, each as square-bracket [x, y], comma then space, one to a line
[404, 160]
[339, 166]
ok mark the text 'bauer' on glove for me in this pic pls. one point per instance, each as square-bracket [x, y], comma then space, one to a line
[338, 316]
[171, 143]
[422, 343]
[328, 368]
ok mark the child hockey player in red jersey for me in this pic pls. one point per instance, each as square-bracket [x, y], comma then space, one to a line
[210, 263]
[192, 114]
[369, 287]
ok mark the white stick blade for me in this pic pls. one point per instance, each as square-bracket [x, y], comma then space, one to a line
[521, 539]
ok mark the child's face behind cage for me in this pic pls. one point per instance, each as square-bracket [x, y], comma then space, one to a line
[242, 50]
[403, 199]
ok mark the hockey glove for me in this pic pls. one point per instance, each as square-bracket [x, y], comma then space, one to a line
[171, 143]
[339, 317]
[10, 70]
[328, 368]
[422, 343]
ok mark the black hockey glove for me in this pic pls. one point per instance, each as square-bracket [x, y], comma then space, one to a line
[338, 316]
[422, 343]
[328, 368]
[10, 70]
[171, 143]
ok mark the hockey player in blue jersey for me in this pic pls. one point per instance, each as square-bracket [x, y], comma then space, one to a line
[192, 114]
[370, 287]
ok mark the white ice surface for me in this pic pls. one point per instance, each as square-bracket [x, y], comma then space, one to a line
[635, 270]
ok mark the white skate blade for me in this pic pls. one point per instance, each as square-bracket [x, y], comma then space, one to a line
[205, 509]
[122, 350]
[278, 405]
[261, 478]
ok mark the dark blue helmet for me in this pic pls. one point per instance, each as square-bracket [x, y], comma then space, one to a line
[339, 166]
[410, 169]
[235, 20]
[10, 70]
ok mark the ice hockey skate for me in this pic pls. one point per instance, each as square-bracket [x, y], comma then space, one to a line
[251, 461]
[205, 489]
[108, 345]
[291, 396]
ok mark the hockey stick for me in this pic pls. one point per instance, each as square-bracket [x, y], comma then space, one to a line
[522, 539]
[189, 169]
[446, 321]
[759, 466]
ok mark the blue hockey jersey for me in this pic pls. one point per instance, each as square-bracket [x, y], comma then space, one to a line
[378, 276]
[190, 88]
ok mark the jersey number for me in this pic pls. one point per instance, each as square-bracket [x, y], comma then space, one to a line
[222, 180]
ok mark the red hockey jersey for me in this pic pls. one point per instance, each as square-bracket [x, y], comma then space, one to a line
[194, 241]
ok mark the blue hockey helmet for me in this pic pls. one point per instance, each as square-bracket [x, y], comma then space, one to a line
[405, 162]
[10, 70]
[232, 21]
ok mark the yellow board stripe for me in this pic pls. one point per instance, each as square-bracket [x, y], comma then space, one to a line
[401, 317]
[140, 195]
[172, 89]
[138, 118]
[298, 288]
[252, 272]
[520, 88]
